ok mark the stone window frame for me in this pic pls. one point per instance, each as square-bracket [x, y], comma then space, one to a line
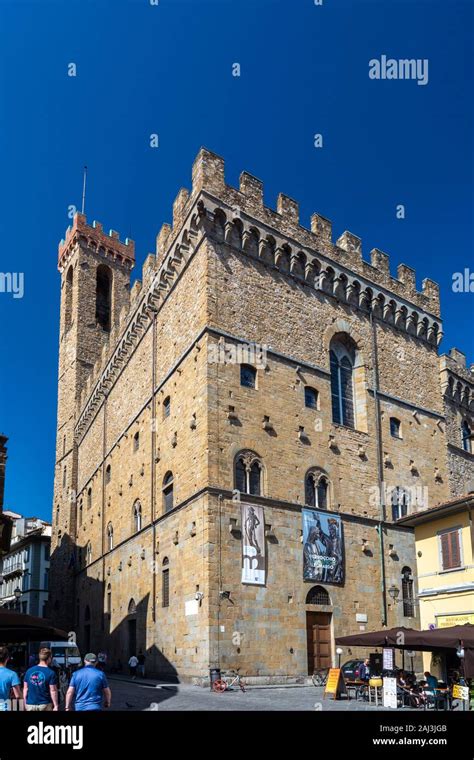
[137, 516]
[406, 502]
[312, 390]
[88, 553]
[408, 598]
[110, 537]
[253, 371]
[167, 490]
[136, 441]
[466, 438]
[166, 407]
[344, 331]
[395, 428]
[249, 458]
[318, 474]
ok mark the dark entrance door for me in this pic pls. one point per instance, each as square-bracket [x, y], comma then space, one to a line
[318, 632]
[132, 637]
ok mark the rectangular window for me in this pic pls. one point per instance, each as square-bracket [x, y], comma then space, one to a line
[450, 549]
[46, 580]
[46, 552]
[166, 588]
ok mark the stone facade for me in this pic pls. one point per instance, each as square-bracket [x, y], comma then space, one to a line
[146, 532]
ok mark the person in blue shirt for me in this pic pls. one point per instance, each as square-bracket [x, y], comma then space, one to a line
[88, 688]
[8, 681]
[40, 686]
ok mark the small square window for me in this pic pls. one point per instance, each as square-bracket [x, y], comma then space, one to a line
[395, 428]
[310, 397]
[248, 376]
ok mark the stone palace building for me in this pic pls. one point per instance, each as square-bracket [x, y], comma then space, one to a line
[240, 431]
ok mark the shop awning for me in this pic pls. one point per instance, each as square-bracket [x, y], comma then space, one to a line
[16, 627]
[430, 640]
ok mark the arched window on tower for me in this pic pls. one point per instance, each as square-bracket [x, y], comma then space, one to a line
[103, 297]
[110, 537]
[68, 299]
[466, 437]
[342, 359]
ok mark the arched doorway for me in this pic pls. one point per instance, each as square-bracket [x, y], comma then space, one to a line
[318, 629]
[132, 628]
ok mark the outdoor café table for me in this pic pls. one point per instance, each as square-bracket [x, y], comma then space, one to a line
[441, 700]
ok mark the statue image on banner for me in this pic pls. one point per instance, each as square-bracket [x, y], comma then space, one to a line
[323, 547]
[253, 545]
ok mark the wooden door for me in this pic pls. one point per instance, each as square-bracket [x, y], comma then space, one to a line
[318, 632]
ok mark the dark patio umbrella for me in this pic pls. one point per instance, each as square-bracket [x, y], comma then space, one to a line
[16, 627]
[435, 640]
[387, 637]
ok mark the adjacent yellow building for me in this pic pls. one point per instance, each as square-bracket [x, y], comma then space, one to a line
[444, 539]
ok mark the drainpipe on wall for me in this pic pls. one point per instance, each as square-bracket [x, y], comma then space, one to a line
[381, 485]
[153, 467]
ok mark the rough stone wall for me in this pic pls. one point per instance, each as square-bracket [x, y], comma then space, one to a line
[206, 289]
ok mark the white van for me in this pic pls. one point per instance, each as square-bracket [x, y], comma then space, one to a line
[64, 653]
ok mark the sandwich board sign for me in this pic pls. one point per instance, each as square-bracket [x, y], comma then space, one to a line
[335, 684]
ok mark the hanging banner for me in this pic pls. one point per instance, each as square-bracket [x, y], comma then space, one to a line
[253, 545]
[323, 547]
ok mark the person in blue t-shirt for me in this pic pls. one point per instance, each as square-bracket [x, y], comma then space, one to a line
[40, 686]
[8, 681]
[88, 688]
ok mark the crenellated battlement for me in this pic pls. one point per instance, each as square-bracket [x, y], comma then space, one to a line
[95, 238]
[239, 218]
[457, 380]
[209, 176]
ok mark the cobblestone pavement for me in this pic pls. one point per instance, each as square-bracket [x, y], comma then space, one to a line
[133, 695]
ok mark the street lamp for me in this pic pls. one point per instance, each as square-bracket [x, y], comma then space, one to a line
[339, 651]
[17, 593]
[394, 592]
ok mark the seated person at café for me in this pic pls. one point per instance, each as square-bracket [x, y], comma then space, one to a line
[431, 681]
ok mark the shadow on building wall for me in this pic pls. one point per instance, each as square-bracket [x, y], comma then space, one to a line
[86, 606]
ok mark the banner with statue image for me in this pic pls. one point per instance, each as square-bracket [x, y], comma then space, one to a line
[323, 547]
[253, 545]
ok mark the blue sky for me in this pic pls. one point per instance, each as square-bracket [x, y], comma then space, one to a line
[167, 69]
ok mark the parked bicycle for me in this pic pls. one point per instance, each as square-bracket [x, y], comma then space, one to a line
[228, 681]
[320, 677]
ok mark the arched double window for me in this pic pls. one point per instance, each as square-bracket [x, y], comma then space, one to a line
[137, 516]
[400, 498]
[341, 360]
[168, 491]
[316, 490]
[466, 437]
[248, 473]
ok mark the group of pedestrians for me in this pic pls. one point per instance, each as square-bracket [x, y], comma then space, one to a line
[88, 688]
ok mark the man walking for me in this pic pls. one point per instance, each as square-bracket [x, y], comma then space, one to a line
[88, 689]
[133, 664]
[8, 681]
[40, 687]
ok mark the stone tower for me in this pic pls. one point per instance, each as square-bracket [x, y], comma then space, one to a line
[95, 290]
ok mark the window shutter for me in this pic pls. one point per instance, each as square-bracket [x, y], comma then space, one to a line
[445, 551]
[450, 549]
[455, 548]
[346, 390]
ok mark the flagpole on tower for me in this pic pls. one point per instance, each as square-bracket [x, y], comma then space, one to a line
[84, 189]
